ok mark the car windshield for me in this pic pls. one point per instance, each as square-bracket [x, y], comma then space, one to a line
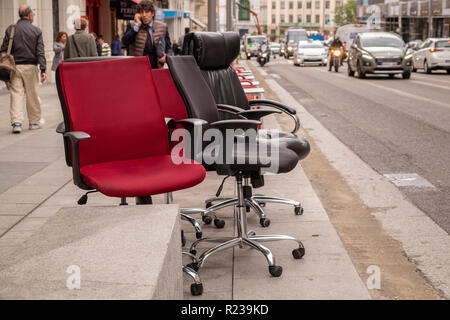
[443, 44]
[255, 40]
[382, 41]
[310, 45]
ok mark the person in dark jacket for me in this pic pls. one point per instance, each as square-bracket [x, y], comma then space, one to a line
[144, 36]
[28, 51]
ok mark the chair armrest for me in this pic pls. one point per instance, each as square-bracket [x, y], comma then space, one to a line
[191, 123]
[281, 107]
[75, 138]
[257, 114]
[227, 107]
[61, 128]
[236, 124]
[274, 104]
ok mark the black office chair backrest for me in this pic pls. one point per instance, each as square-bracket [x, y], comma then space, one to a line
[193, 89]
[214, 52]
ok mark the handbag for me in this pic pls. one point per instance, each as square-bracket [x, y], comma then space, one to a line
[7, 63]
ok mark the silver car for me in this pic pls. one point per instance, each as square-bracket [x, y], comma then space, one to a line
[379, 53]
[433, 54]
[310, 52]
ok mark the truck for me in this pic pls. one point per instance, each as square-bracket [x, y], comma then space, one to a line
[349, 32]
[293, 36]
[252, 43]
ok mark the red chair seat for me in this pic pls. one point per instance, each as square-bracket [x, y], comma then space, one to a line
[142, 177]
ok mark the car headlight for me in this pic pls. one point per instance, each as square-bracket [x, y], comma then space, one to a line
[367, 57]
[264, 55]
[290, 48]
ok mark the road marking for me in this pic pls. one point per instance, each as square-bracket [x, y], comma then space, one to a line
[409, 95]
[430, 77]
[276, 76]
[432, 84]
[409, 180]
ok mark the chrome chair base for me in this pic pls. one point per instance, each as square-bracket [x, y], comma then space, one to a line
[244, 237]
[256, 202]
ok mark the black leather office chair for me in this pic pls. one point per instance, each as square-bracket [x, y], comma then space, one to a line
[242, 164]
[214, 52]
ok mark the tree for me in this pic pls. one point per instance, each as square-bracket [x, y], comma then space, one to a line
[345, 14]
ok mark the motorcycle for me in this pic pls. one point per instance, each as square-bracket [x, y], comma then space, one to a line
[336, 56]
[263, 55]
[263, 58]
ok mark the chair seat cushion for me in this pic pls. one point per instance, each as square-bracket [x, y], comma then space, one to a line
[297, 144]
[142, 177]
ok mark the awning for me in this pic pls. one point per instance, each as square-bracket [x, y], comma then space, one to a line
[197, 22]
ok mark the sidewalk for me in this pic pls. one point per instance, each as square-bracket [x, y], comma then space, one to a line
[35, 183]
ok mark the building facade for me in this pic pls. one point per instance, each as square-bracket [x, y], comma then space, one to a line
[411, 19]
[309, 14]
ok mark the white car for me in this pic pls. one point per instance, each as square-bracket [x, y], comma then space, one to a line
[310, 52]
[433, 54]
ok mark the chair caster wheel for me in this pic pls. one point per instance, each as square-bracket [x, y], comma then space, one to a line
[196, 289]
[298, 211]
[193, 266]
[208, 205]
[262, 204]
[198, 235]
[183, 239]
[264, 222]
[193, 252]
[247, 209]
[220, 224]
[298, 253]
[207, 219]
[275, 271]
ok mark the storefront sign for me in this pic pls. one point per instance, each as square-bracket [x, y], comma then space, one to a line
[125, 9]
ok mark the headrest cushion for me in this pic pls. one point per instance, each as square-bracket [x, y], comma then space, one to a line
[212, 50]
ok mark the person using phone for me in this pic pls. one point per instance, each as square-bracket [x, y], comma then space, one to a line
[146, 37]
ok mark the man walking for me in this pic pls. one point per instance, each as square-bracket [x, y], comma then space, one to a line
[28, 52]
[144, 36]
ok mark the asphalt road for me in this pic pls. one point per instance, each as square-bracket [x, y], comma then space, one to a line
[396, 126]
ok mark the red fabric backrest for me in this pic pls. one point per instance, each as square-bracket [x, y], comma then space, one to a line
[172, 104]
[116, 103]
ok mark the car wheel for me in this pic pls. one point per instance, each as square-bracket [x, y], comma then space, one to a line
[350, 72]
[361, 74]
[413, 68]
[448, 71]
[406, 75]
[426, 68]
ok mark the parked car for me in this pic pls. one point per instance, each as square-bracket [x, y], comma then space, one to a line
[310, 52]
[433, 54]
[379, 53]
[274, 48]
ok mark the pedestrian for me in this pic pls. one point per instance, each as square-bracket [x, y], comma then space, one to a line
[176, 49]
[106, 49]
[99, 47]
[58, 47]
[29, 53]
[80, 44]
[116, 47]
[144, 36]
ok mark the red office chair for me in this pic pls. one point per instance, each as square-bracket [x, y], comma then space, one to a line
[118, 134]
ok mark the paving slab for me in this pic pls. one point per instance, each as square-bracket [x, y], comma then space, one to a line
[122, 252]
